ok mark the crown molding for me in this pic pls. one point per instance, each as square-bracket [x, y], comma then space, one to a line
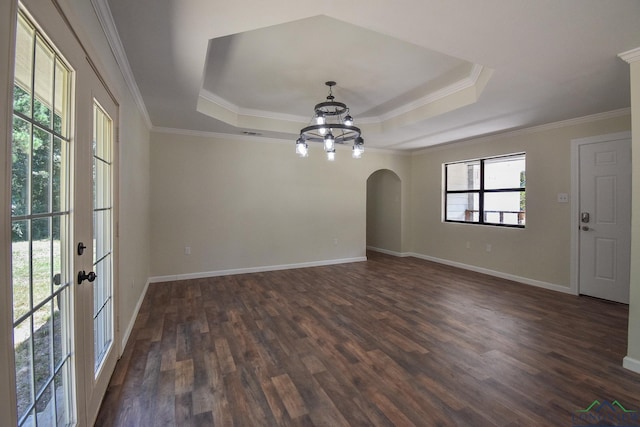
[254, 138]
[110, 30]
[630, 56]
[221, 102]
[525, 131]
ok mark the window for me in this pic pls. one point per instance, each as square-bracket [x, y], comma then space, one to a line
[486, 191]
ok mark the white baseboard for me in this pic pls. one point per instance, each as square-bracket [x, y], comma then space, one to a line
[388, 252]
[132, 322]
[631, 364]
[235, 271]
[519, 279]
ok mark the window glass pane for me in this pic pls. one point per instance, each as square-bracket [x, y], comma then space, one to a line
[43, 102]
[42, 346]
[504, 208]
[60, 119]
[463, 207]
[41, 260]
[45, 408]
[463, 176]
[20, 150]
[20, 268]
[504, 172]
[41, 171]
[23, 66]
[24, 366]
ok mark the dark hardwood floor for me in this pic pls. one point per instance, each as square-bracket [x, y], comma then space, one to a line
[390, 341]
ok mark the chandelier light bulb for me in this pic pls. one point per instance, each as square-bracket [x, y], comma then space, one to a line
[320, 120]
[329, 143]
[302, 149]
[357, 151]
[348, 120]
[331, 155]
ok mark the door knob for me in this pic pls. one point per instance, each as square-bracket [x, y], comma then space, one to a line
[82, 276]
[585, 228]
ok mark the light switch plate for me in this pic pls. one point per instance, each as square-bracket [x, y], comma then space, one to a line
[563, 198]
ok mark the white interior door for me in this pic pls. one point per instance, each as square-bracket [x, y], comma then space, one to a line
[605, 219]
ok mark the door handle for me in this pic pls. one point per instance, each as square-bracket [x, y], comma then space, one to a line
[82, 276]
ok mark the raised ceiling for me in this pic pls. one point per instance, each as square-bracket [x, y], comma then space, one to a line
[414, 73]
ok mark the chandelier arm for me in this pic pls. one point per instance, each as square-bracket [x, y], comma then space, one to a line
[349, 133]
[325, 108]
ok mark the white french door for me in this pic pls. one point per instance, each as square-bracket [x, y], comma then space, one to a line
[62, 216]
[42, 278]
[95, 230]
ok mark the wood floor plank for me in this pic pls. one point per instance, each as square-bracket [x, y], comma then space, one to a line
[390, 341]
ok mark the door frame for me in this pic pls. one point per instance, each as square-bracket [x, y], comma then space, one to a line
[8, 19]
[574, 274]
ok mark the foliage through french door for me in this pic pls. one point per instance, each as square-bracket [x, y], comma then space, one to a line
[40, 231]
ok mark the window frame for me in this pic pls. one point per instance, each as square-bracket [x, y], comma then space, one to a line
[481, 191]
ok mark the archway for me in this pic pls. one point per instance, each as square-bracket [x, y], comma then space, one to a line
[384, 213]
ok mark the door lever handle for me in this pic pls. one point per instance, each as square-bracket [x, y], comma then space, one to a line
[82, 276]
[585, 228]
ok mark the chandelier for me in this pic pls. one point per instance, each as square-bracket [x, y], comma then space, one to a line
[331, 124]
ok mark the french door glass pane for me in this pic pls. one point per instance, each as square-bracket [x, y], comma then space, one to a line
[102, 232]
[40, 241]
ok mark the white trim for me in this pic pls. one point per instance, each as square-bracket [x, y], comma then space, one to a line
[231, 272]
[103, 12]
[127, 333]
[631, 364]
[262, 139]
[206, 134]
[388, 252]
[525, 131]
[574, 263]
[513, 277]
[240, 111]
[630, 56]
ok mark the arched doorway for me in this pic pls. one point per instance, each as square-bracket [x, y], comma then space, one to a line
[384, 213]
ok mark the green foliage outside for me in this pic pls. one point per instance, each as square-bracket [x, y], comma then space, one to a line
[36, 162]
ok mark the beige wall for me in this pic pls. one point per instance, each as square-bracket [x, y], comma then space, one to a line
[634, 306]
[242, 204]
[384, 211]
[541, 251]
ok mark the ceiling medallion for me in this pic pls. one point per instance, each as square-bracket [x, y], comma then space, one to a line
[331, 124]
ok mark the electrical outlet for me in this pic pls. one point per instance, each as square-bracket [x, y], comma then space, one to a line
[468, 245]
[488, 247]
[187, 250]
[563, 198]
